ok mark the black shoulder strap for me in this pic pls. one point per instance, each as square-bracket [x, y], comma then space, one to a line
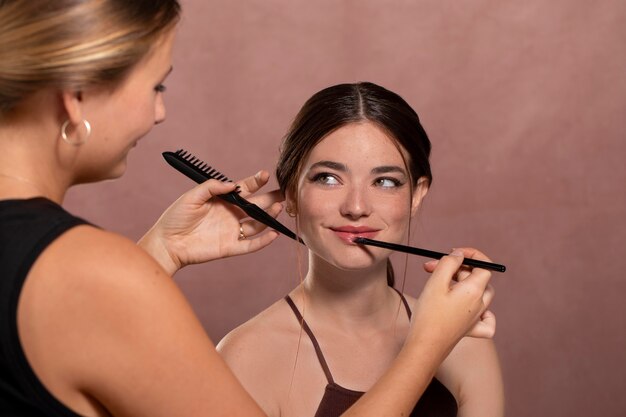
[307, 329]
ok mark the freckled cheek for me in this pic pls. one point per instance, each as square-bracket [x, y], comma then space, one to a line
[394, 212]
[315, 209]
[311, 200]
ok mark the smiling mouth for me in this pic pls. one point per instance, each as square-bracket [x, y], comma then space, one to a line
[349, 233]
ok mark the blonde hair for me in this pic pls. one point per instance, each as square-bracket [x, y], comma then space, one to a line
[72, 44]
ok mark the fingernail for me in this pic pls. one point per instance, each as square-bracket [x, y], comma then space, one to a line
[430, 263]
[457, 252]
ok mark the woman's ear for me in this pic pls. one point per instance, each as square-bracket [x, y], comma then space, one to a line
[73, 106]
[291, 206]
[419, 192]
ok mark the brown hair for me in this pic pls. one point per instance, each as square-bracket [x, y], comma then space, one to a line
[75, 43]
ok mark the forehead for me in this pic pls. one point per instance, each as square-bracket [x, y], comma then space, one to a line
[157, 61]
[363, 142]
[160, 53]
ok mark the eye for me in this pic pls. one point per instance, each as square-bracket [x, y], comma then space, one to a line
[160, 88]
[388, 182]
[325, 178]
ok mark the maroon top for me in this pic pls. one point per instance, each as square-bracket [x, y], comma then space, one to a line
[436, 401]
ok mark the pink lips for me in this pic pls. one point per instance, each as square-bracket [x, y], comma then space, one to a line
[348, 233]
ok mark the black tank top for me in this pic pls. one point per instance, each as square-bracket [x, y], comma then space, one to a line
[27, 227]
[436, 401]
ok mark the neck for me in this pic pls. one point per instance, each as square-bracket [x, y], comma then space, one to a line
[352, 295]
[27, 167]
[17, 187]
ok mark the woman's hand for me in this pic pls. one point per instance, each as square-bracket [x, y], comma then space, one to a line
[198, 228]
[452, 304]
[455, 300]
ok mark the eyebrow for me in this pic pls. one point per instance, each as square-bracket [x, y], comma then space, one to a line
[387, 169]
[337, 166]
[330, 164]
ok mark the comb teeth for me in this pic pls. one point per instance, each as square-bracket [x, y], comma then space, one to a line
[202, 166]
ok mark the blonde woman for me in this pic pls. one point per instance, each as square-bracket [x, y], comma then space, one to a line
[91, 324]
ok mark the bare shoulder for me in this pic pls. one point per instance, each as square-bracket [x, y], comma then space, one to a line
[472, 373]
[261, 355]
[256, 339]
[469, 351]
[93, 294]
[89, 280]
[85, 247]
[96, 267]
[86, 258]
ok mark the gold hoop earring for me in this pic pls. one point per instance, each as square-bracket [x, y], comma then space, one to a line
[65, 137]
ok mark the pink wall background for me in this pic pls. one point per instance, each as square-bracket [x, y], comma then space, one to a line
[525, 105]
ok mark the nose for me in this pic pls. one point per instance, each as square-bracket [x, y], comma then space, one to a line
[159, 110]
[356, 203]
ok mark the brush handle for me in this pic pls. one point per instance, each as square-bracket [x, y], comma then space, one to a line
[428, 253]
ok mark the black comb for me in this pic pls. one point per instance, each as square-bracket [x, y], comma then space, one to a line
[193, 167]
[199, 171]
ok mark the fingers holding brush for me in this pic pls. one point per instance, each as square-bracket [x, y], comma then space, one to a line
[198, 227]
[464, 271]
[250, 239]
[250, 228]
[253, 183]
[270, 202]
[266, 201]
[464, 290]
[478, 278]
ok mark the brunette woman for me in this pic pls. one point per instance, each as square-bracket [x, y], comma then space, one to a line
[355, 163]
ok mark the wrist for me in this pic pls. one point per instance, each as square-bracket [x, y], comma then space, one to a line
[153, 244]
[434, 345]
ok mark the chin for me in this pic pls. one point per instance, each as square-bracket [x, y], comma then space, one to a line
[102, 175]
[118, 173]
[353, 268]
[119, 169]
[353, 262]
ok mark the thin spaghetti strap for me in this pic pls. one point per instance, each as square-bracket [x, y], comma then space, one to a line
[405, 302]
[307, 329]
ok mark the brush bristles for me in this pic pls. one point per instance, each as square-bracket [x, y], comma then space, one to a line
[202, 166]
